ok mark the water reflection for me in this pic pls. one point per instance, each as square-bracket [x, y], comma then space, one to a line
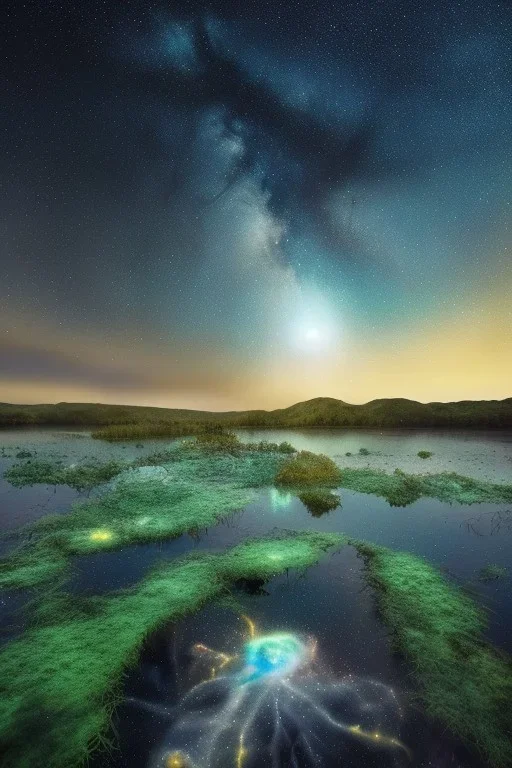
[280, 499]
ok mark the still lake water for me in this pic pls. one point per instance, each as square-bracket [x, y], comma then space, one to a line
[331, 603]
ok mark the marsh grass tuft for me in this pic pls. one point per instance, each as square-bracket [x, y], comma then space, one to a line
[306, 468]
[147, 430]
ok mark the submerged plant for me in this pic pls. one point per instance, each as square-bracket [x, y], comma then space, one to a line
[425, 454]
[492, 572]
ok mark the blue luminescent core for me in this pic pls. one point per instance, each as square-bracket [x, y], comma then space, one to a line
[278, 654]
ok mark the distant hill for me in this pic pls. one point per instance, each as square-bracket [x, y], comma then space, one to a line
[319, 412]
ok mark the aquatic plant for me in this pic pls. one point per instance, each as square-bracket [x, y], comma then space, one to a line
[318, 501]
[228, 442]
[464, 682]
[492, 572]
[425, 454]
[400, 489]
[62, 679]
[364, 452]
[28, 566]
[306, 468]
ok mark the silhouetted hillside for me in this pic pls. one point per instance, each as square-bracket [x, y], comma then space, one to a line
[319, 412]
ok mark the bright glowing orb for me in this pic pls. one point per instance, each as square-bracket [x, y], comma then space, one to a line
[279, 654]
[101, 535]
[313, 338]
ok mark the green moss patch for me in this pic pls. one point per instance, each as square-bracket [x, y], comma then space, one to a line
[80, 476]
[465, 684]
[61, 681]
[425, 454]
[400, 489]
[306, 468]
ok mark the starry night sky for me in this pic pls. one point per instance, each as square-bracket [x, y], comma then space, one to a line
[239, 205]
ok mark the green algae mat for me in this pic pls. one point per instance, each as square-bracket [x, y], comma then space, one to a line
[464, 683]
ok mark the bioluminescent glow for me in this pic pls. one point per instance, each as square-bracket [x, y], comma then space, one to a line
[100, 535]
[278, 654]
[274, 705]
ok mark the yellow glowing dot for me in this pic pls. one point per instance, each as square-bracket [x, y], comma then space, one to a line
[175, 760]
[101, 535]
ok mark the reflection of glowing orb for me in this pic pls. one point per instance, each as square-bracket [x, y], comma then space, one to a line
[278, 654]
[101, 535]
[279, 499]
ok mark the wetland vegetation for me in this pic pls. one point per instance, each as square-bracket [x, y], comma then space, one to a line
[62, 677]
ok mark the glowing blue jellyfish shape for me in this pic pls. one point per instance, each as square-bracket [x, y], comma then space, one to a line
[277, 654]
